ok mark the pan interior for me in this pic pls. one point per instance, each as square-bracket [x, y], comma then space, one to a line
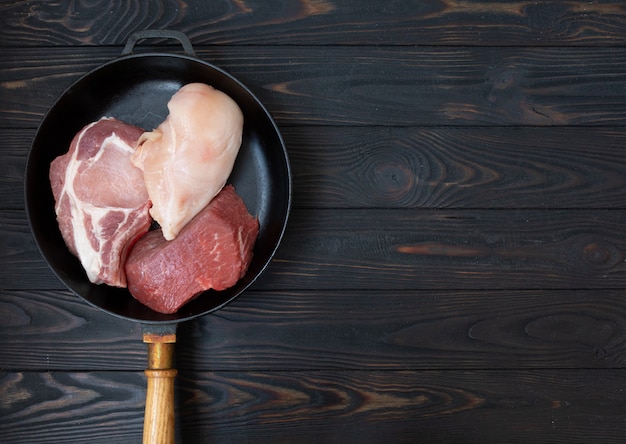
[136, 89]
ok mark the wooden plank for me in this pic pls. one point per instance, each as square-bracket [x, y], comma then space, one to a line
[507, 168]
[57, 330]
[323, 406]
[423, 249]
[390, 86]
[76, 407]
[445, 22]
[19, 254]
[314, 330]
[407, 249]
[459, 167]
[15, 147]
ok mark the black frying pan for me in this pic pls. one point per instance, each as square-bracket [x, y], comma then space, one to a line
[135, 88]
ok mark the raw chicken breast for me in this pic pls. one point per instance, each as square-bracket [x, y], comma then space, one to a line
[187, 159]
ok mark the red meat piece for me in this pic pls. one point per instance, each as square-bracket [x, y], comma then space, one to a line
[102, 204]
[213, 251]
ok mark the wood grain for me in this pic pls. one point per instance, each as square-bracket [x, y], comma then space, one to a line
[327, 22]
[423, 249]
[453, 270]
[370, 86]
[459, 167]
[332, 330]
[76, 407]
[15, 147]
[407, 249]
[323, 406]
[489, 168]
[44, 330]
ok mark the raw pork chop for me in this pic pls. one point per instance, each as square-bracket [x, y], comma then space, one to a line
[188, 158]
[102, 205]
[214, 250]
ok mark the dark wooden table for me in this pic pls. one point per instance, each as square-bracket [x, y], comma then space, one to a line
[453, 269]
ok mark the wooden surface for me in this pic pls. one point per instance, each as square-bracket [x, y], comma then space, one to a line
[454, 267]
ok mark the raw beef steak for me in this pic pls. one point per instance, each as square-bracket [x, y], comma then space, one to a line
[213, 250]
[102, 204]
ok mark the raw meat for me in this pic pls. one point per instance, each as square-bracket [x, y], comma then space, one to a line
[188, 158]
[214, 250]
[102, 204]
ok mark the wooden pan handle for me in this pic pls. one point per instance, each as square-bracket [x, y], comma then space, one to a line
[158, 426]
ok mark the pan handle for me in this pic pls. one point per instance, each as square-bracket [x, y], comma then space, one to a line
[158, 34]
[159, 419]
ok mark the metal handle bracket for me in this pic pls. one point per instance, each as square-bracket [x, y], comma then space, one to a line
[158, 34]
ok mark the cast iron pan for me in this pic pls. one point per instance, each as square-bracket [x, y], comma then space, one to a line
[135, 88]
